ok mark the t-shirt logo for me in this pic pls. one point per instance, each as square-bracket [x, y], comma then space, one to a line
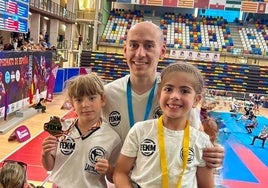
[148, 147]
[67, 146]
[191, 155]
[96, 153]
[93, 156]
[114, 118]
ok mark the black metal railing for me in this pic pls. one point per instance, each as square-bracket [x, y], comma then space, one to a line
[53, 9]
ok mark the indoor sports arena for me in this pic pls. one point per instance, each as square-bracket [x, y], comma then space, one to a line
[47, 44]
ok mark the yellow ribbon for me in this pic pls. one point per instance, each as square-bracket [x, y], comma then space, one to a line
[163, 157]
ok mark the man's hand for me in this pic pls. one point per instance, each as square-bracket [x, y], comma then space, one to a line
[214, 156]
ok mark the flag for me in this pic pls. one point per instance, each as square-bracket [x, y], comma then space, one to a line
[249, 6]
[186, 3]
[31, 93]
[170, 3]
[201, 4]
[143, 2]
[155, 2]
[217, 4]
[51, 83]
[233, 5]
[135, 1]
[262, 8]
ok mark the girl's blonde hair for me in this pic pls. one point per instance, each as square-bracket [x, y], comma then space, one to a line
[12, 175]
[84, 85]
[198, 81]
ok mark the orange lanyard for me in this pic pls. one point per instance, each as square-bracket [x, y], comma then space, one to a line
[163, 157]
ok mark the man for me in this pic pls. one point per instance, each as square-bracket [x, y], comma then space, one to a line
[80, 39]
[133, 98]
[262, 136]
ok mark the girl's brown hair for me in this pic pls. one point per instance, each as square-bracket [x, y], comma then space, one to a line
[198, 81]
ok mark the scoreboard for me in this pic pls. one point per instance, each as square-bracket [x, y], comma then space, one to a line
[14, 15]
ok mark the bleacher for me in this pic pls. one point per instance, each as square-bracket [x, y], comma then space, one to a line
[118, 24]
[198, 34]
[187, 32]
[228, 77]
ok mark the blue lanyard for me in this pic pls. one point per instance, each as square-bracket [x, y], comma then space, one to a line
[130, 106]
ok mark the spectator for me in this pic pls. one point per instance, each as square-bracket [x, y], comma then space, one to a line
[41, 37]
[262, 136]
[80, 39]
[8, 47]
[46, 37]
[257, 102]
[1, 40]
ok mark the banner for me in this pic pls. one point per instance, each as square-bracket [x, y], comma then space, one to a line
[17, 72]
[170, 3]
[51, 83]
[194, 56]
[217, 4]
[186, 3]
[14, 68]
[155, 2]
[262, 8]
[203, 4]
[143, 2]
[233, 5]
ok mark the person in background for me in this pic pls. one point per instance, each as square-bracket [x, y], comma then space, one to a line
[2, 90]
[13, 174]
[262, 136]
[233, 108]
[46, 37]
[257, 103]
[87, 151]
[80, 39]
[133, 98]
[248, 113]
[167, 152]
[252, 124]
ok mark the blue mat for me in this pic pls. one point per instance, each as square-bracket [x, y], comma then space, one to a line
[233, 132]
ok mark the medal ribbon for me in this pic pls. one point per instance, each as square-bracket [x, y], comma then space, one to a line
[163, 157]
[130, 106]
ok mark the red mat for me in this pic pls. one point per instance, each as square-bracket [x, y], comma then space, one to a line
[30, 153]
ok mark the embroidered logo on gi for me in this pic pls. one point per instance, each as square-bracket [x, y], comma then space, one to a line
[67, 146]
[157, 112]
[96, 153]
[114, 118]
[148, 147]
[93, 156]
[190, 157]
